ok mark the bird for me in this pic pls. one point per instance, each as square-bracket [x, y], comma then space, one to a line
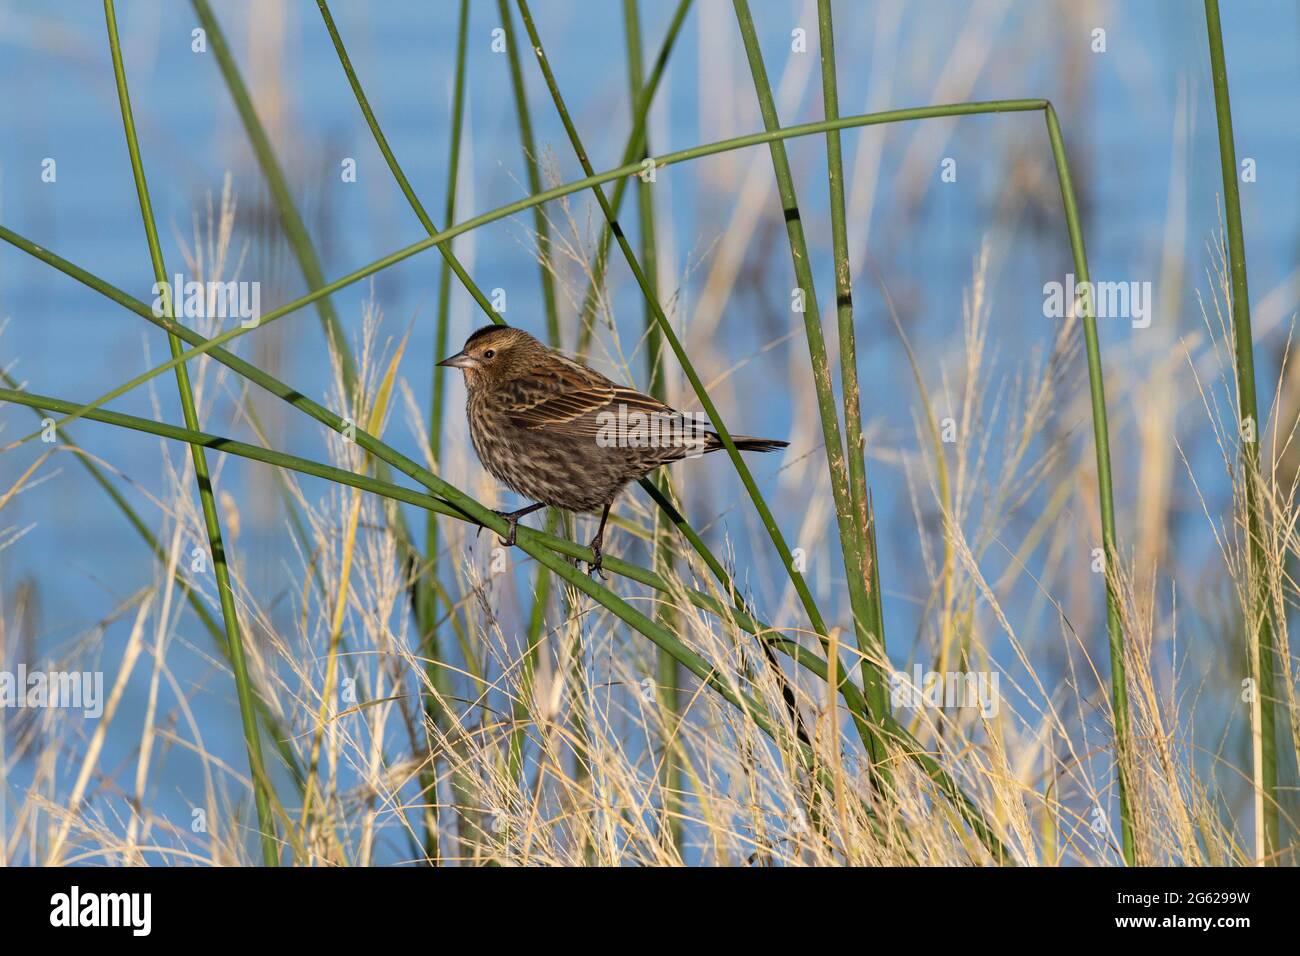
[562, 435]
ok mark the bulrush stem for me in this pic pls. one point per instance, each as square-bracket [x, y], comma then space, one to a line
[851, 523]
[230, 618]
[1258, 621]
[1101, 441]
[672, 779]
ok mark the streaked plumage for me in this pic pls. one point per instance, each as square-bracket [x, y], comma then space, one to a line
[540, 423]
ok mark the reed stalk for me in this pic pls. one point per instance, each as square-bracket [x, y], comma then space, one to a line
[850, 522]
[672, 779]
[425, 594]
[532, 168]
[1257, 618]
[1105, 496]
[230, 619]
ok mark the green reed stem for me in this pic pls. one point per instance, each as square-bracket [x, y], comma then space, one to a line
[651, 299]
[294, 229]
[230, 618]
[1101, 440]
[291, 221]
[550, 311]
[531, 650]
[855, 444]
[425, 610]
[453, 161]
[1266, 772]
[295, 232]
[850, 528]
[450, 262]
[672, 776]
[532, 168]
[426, 593]
[636, 150]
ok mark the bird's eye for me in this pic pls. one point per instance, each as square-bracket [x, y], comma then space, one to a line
[489, 353]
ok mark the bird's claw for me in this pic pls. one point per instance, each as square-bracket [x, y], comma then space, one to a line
[512, 522]
[594, 567]
[509, 540]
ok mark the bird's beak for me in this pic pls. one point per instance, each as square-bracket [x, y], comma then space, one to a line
[460, 360]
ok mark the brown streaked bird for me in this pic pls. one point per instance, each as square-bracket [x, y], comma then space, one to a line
[563, 435]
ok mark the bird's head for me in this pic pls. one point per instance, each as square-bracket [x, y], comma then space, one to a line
[492, 353]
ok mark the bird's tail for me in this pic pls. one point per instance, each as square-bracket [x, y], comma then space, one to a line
[744, 443]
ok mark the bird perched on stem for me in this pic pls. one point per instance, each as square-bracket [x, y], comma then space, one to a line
[563, 435]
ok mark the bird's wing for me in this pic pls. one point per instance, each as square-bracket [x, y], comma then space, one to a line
[559, 393]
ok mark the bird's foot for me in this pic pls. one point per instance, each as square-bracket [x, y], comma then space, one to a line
[512, 522]
[594, 567]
